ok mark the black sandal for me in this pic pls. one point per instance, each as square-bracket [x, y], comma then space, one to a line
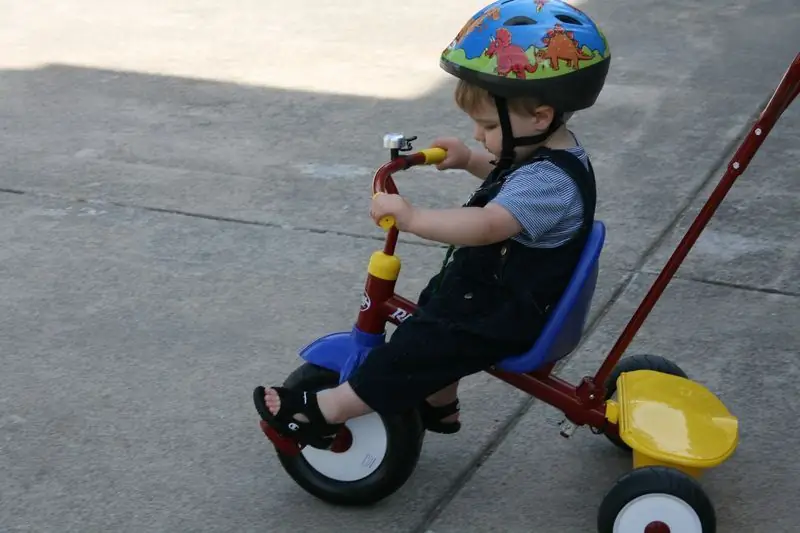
[317, 432]
[432, 417]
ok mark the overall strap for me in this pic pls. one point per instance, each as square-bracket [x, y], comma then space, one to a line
[488, 189]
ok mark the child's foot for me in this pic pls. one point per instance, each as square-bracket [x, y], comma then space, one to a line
[295, 413]
[450, 405]
[273, 401]
[440, 417]
[452, 419]
[440, 410]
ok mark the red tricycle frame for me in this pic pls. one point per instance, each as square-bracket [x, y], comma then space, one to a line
[584, 403]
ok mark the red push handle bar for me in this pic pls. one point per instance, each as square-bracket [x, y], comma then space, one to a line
[787, 91]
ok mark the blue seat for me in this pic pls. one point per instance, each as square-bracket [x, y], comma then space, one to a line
[563, 331]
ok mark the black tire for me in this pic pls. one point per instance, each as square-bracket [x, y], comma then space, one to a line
[657, 480]
[631, 364]
[404, 436]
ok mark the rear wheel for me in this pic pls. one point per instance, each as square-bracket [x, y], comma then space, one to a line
[631, 364]
[376, 457]
[656, 499]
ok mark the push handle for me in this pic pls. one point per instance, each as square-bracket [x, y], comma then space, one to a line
[788, 89]
[427, 156]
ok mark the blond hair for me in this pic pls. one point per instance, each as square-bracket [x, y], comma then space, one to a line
[470, 98]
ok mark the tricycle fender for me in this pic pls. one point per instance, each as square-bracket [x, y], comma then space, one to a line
[341, 352]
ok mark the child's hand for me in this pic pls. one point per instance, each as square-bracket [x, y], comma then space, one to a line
[458, 154]
[395, 205]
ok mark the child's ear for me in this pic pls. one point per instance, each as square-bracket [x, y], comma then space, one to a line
[543, 116]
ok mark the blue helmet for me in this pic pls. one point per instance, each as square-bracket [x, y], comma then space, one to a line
[545, 49]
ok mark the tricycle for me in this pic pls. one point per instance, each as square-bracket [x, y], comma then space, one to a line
[674, 427]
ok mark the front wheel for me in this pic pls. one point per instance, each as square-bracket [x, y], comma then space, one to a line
[378, 456]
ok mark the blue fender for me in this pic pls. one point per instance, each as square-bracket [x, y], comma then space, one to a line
[341, 352]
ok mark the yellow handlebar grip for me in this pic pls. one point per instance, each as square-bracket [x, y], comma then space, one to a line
[386, 222]
[434, 156]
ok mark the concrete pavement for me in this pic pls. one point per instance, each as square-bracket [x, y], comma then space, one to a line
[186, 205]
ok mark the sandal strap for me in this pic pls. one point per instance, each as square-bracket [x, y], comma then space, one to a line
[440, 411]
[317, 431]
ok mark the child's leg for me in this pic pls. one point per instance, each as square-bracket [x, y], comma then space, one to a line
[424, 358]
[421, 359]
[440, 411]
[341, 404]
[445, 396]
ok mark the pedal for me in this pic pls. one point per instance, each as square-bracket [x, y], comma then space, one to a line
[283, 444]
[567, 428]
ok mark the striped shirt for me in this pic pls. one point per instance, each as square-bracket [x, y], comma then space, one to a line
[545, 201]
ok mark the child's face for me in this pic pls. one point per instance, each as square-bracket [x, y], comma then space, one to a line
[489, 133]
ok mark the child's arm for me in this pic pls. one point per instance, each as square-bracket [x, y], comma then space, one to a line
[461, 226]
[464, 226]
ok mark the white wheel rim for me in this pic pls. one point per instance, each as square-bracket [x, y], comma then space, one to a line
[363, 457]
[676, 513]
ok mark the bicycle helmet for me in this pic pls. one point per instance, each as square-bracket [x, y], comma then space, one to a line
[545, 49]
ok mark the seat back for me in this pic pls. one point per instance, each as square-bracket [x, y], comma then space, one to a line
[564, 328]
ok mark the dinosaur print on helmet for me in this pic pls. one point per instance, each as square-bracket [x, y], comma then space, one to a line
[510, 57]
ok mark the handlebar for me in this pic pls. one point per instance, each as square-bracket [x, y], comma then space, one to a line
[382, 182]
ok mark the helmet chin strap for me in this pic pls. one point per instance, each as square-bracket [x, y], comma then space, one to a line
[507, 155]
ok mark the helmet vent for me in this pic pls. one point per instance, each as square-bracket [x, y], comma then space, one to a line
[519, 21]
[569, 20]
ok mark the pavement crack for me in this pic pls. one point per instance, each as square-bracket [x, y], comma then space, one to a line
[486, 451]
[274, 225]
[220, 218]
[499, 436]
[732, 285]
